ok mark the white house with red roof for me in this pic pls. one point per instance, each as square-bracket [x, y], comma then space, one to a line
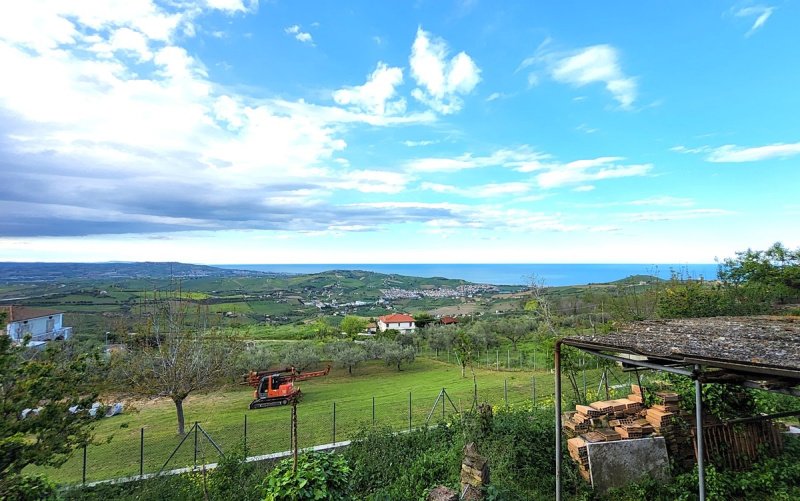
[40, 324]
[397, 321]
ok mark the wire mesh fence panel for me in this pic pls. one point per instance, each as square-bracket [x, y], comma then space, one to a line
[269, 430]
[314, 424]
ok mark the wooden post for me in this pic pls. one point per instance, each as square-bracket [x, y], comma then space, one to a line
[409, 411]
[141, 452]
[195, 444]
[294, 436]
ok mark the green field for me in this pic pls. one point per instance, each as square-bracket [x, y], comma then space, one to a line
[222, 415]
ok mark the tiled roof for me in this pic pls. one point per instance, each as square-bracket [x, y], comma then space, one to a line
[20, 313]
[395, 318]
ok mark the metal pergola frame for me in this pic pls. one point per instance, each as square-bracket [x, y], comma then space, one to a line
[737, 373]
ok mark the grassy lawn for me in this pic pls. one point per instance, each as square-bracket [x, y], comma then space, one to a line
[222, 415]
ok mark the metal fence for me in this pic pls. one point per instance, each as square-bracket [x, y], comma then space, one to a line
[135, 451]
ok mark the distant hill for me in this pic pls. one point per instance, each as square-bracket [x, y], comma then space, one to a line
[53, 272]
[637, 279]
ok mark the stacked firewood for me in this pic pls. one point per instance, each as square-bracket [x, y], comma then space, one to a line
[620, 419]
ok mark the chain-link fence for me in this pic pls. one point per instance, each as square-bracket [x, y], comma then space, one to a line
[135, 451]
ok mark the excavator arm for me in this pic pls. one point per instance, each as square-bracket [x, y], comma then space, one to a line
[309, 375]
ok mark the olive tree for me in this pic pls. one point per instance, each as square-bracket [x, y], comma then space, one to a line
[301, 356]
[172, 359]
[348, 355]
[395, 354]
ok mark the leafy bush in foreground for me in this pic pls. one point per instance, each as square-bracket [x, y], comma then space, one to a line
[319, 475]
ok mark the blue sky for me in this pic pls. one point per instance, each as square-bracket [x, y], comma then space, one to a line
[236, 131]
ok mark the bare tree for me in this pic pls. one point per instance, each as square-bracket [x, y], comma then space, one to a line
[173, 359]
[540, 305]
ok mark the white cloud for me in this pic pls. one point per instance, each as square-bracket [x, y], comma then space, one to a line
[490, 190]
[375, 96]
[523, 159]
[550, 173]
[584, 188]
[760, 12]
[440, 188]
[425, 142]
[677, 215]
[299, 35]
[161, 146]
[441, 81]
[733, 153]
[684, 149]
[654, 201]
[585, 171]
[370, 181]
[596, 64]
[229, 5]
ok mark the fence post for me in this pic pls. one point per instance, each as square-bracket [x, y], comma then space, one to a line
[245, 435]
[533, 386]
[141, 452]
[585, 400]
[534, 358]
[508, 358]
[505, 391]
[497, 359]
[83, 478]
[409, 411]
[373, 411]
[334, 422]
[195, 444]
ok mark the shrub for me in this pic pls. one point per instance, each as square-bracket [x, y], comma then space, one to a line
[319, 475]
[406, 465]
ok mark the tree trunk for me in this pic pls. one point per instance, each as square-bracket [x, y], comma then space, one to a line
[350, 369]
[179, 409]
[463, 369]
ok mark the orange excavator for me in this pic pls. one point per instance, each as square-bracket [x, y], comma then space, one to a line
[274, 388]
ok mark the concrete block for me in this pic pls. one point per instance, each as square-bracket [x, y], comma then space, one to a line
[615, 464]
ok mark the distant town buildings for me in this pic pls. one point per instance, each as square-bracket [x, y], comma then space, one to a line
[438, 292]
[397, 321]
[40, 324]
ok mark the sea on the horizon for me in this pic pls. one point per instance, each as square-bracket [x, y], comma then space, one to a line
[505, 274]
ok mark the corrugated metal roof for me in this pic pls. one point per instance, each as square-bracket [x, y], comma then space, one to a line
[760, 344]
